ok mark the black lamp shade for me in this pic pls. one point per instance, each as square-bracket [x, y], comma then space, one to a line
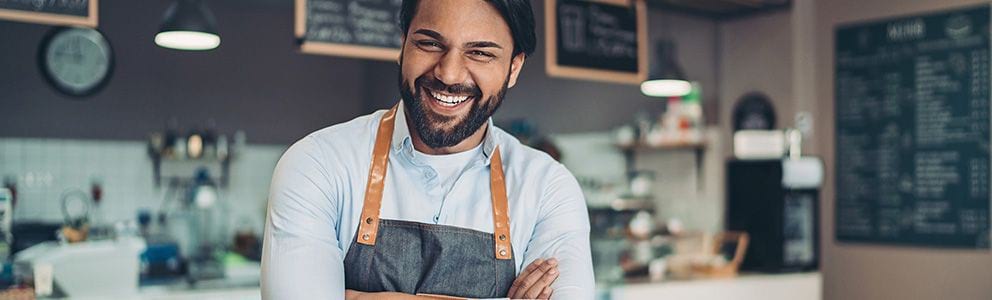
[665, 66]
[665, 78]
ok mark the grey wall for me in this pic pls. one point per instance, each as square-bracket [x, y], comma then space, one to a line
[854, 271]
[256, 80]
[556, 105]
[259, 82]
[790, 56]
[755, 55]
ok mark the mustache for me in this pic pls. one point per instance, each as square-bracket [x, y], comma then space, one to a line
[432, 83]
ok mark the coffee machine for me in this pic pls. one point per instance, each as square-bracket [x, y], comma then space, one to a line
[776, 202]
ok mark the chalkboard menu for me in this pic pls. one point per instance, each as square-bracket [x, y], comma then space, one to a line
[51, 12]
[354, 28]
[912, 117]
[603, 40]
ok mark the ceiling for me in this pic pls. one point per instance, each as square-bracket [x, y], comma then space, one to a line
[720, 9]
[713, 9]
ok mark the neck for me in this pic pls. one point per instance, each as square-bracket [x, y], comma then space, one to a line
[467, 144]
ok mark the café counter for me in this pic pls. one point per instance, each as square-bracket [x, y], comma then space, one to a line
[793, 286]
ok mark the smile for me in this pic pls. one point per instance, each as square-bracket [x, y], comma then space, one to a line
[449, 100]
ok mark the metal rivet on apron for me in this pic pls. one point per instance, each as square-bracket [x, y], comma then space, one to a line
[502, 237]
[365, 236]
[502, 252]
[368, 221]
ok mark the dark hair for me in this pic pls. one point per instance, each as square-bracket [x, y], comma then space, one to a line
[517, 14]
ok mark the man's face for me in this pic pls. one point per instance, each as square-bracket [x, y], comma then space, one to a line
[456, 65]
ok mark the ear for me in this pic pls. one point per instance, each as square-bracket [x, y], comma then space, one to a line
[515, 66]
[399, 58]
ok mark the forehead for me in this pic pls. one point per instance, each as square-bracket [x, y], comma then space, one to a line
[462, 20]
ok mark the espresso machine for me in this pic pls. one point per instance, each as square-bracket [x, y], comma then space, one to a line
[776, 201]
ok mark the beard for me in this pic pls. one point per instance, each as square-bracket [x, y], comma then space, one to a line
[430, 125]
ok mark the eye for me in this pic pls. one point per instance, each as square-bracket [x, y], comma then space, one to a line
[481, 55]
[429, 45]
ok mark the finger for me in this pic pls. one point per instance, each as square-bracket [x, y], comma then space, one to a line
[533, 266]
[526, 282]
[546, 293]
[544, 282]
[350, 294]
[515, 287]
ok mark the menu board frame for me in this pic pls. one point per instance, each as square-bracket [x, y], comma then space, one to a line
[336, 49]
[575, 72]
[874, 216]
[91, 19]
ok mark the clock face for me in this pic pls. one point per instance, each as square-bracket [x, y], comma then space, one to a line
[76, 61]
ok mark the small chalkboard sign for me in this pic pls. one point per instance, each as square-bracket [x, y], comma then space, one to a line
[603, 40]
[51, 12]
[352, 28]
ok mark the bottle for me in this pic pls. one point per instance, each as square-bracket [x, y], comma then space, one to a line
[170, 138]
[692, 112]
[179, 148]
[222, 147]
[96, 195]
[210, 139]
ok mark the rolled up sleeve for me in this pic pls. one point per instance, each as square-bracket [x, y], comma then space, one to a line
[301, 256]
[562, 232]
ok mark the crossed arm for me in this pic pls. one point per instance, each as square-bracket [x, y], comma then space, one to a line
[302, 259]
[534, 282]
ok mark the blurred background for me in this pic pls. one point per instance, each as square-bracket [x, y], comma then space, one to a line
[727, 149]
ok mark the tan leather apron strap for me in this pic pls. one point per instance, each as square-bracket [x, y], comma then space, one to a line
[501, 217]
[368, 226]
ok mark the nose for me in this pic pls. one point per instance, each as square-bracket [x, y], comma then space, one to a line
[451, 69]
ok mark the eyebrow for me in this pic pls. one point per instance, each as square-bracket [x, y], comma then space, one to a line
[430, 33]
[477, 44]
[483, 44]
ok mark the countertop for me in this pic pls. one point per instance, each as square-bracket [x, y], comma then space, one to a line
[793, 286]
[790, 286]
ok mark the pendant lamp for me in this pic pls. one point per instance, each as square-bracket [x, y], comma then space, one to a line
[188, 25]
[666, 78]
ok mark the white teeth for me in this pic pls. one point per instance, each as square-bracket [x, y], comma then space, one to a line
[449, 100]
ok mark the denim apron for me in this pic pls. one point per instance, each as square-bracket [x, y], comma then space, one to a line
[420, 258]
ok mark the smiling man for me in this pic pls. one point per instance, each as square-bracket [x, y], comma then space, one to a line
[428, 197]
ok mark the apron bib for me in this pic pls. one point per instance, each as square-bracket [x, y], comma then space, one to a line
[420, 258]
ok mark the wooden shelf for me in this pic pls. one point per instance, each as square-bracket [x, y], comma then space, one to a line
[698, 149]
[185, 168]
[627, 204]
[662, 147]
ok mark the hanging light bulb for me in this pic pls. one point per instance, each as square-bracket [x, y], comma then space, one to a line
[188, 25]
[666, 78]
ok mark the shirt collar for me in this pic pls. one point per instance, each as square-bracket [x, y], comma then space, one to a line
[402, 139]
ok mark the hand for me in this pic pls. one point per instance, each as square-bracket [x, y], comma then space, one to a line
[534, 282]
[352, 294]
[356, 295]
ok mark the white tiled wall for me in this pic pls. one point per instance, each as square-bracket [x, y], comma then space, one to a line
[680, 191]
[45, 168]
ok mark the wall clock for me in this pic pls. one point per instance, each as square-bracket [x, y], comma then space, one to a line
[76, 61]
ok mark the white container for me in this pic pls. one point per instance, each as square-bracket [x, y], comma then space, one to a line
[759, 144]
[87, 269]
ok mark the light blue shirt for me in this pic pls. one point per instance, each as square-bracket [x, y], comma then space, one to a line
[318, 190]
